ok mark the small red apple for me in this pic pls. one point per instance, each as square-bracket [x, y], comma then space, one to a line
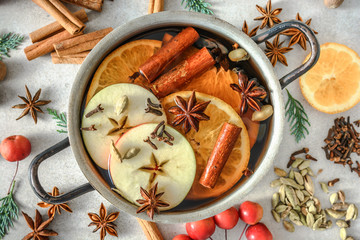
[227, 219]
[182, 237]
[201, 230]
[250, 212]
[258, 232]
[15, 148]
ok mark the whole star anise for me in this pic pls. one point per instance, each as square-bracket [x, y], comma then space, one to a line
[31, 104]
[275, 52]
[103, 222]
[151, 201]
[190, 113]
[250, 92]
[296, 35]
[268, 16]
[39, 232]
[54, 207]
[252, 33]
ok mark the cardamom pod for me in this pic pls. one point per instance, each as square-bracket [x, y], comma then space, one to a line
[297, 162]
[303, 219]
[291, 182]
[310, 220]
[343, 233]
[324, 187]
[317, 224]
[121, 104]
[282, 193]
[280, 172]
[275, 199]
[303, 172]
[350, 212]
[275, 183]
[310, 172]
[304, 164]
[291, 174]
[312, 209]
[335, 213]
[276, 216]
[342, 196]
[356, 213]
[299, 178]
[340, 206]
[334, 198]
[291, 195]
[289, 226]
[114, 152]
[285, 213]
[306, 193]
[343, 224]
[300, 195]
[304, 211]
[317, 204]
[309, 185]
[280, 208]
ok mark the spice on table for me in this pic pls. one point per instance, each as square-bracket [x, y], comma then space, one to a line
[357, 123]
[275, 52]
[155, 6]
[252, 33]
[54, 207]
[189, 113]
[296, 35]
[54, 28]
[224, 145]
[332, 182]
[38, 227]
[251, 92]
[104, 222]
[31, 105]
[269, 16]
[95, 5]
[77, 58]
[150, 229]
[151, 201]
[67, 19]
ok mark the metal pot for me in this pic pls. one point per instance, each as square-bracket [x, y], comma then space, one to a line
[172, 19]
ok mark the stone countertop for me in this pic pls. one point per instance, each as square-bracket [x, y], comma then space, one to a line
[334, 25]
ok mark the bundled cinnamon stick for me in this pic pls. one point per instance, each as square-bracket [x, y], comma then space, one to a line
[77, 58]
[47, 45]
[81, 43]
[89, 4]
[155, 6]
[150, 230]
[181, 74]
[166, 38]
[223, 147]
[53, 28]
[56, 9]
[165, 55]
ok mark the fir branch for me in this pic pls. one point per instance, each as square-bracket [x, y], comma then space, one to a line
[297, 118]
[9, 41]
[198, 6]
[8, 212]
[61, 119]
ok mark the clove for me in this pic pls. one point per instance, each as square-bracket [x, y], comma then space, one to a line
[91, 128]
[92, 112]
[150, 143]
[308, 156]
[332, 182]
[152, 110]
[154, 105]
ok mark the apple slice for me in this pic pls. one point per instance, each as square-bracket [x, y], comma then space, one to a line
[173, 167]
[122, 103]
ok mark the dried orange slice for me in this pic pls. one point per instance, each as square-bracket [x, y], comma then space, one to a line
[122, 63]
[333, 84]
[204, 140]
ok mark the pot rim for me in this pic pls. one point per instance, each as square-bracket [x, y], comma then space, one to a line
[179, 19]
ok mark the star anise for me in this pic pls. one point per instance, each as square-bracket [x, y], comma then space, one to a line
[268, 16]
[151, 201]
[54, 207]
[252, 33]
[103, 222]
[39, 232]
[296, 35]
[31, 104]
[251, 92]
[190, 113]
[275, 52]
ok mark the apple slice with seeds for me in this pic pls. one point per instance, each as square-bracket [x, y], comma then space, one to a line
[173, 167]
[122, 107]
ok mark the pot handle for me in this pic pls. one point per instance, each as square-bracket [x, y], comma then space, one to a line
[36, 185]
[310, 36]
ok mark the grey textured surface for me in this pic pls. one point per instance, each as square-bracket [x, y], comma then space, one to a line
[334, 25]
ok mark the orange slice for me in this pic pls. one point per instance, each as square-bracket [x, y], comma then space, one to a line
[333, 84]
[122, 63]
[204, 140]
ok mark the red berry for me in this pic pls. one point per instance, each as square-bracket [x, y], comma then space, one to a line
[250, 212]
[227, 219]
[258, 232]
[182, 237]
[202, 229]
[15, 148]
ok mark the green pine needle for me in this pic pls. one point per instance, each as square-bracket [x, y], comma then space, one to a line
[61, 119]
[198, 6]
[297, 118]
[8, 212]
[9, 41]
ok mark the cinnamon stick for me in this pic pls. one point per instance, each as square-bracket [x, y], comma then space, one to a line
[223, 147]
[151, 6]
[89, 4]
[80, 43]
[158, 6]
[53, 28]
[77, 58]
[165, 55]
[166, 38]
[56, 9]
[47, 45]
[182, 74]
[150, 229]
